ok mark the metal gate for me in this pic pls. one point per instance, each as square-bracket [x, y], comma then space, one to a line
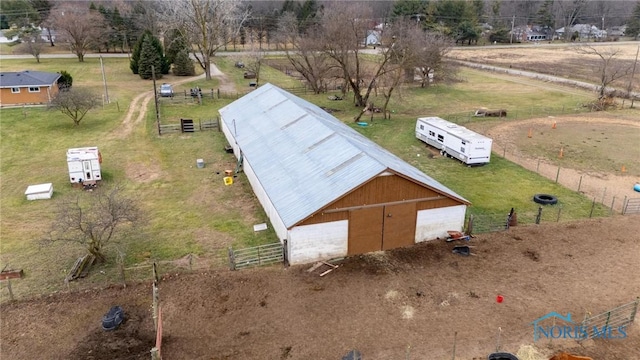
[623, 315]
[256, 256]
[632, 207]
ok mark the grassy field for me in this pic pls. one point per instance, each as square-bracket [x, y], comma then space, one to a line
[190, 210]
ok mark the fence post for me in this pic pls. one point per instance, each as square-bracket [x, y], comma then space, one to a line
[218, 93]
[559, 211]
[470, 225]
[285, 253]
[232, 262]
[603, 195]
[624, 204]
[612, 202]
[539, 215]
[593, 204]
[558, 174]
[579, 183]
[635, 310]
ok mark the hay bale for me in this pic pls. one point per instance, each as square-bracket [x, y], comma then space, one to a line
[528, 352]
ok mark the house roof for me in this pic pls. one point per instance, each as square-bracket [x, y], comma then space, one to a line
[27, 78]
[305, 158]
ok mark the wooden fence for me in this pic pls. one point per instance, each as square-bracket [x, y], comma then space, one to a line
[256, 256]
[600, 325]
[189, 126]
[631, 206]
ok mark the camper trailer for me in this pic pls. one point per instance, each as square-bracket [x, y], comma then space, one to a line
[454, 140]
[84, 165]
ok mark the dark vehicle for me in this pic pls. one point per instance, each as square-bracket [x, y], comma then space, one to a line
[249, 75]
[239, 64]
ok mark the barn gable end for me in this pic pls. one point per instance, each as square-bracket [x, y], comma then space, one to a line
[320, 182]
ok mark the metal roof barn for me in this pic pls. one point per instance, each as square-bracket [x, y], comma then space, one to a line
[305, 165]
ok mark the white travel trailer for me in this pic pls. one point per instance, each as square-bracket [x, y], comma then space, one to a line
[454, 140]
[84, 165]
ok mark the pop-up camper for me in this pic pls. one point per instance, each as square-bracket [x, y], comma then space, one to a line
[454, 140]
[84, 165]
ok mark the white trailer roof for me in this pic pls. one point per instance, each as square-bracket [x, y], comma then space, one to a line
[85, 153]
[454, 129]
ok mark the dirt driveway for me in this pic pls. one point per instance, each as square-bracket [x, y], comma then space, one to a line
[402, 304]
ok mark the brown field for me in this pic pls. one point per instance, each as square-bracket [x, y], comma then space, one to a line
[554, 59]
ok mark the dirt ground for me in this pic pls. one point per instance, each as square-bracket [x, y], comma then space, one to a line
[591, 183]
[407, 303]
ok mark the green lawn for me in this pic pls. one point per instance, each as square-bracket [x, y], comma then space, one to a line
[190, 210]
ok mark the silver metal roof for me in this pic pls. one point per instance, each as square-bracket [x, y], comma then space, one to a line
[304, 157]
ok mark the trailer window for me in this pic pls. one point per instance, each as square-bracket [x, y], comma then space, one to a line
[421, 127]
[441, 138]
[431, 133]
[462, 149]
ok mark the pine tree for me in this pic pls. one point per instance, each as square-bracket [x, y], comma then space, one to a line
[183, 65]
[162, 68]
[149, 57]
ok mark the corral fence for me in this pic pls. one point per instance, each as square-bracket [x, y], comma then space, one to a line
[190, 126]
[257, 256]
[598, 325]
[632, 206]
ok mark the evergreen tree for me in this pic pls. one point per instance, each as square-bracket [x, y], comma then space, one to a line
[545, 17]
[175, 42]
[149, 57]
[633, 25]
[183, 65]
[162, 68]
[65, 81]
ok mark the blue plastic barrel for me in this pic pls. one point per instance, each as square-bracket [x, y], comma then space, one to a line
[636, 187]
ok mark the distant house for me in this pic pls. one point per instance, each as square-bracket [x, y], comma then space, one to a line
[27, 87]
[617, 30]
[584, 31]
[374, 37]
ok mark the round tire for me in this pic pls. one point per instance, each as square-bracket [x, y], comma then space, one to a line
[545, 199]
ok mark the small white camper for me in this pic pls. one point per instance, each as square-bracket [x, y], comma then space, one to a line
[454, 140]
[84, 165]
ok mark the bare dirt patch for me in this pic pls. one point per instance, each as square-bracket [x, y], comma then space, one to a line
[383, 304]
[510, 138]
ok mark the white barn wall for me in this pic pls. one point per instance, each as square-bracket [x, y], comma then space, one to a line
[434, 223]
[267, 206]
[309, 243]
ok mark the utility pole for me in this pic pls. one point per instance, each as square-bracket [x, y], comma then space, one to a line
[104, 81]
[155, 97]
[513, 22]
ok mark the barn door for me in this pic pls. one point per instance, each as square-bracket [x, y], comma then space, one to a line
[365, 230]
[86, 165]
[399, 226]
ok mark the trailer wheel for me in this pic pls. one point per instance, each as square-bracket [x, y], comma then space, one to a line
[545, 199]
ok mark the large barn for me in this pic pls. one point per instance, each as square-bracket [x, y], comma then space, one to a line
[327, 190]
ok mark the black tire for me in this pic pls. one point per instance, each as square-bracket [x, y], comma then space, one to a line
[545, 199]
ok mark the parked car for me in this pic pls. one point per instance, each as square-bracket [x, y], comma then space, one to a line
[249, 75]
[166, 90]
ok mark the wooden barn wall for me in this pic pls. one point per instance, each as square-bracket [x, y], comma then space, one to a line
[381, 190]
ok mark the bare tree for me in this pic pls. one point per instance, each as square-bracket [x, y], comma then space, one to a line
[344, 29]
[569, 12]
[75, 103]
[78, 26]
[95, 219]
[303, 52]
[30, 42]
[432, 49]
[610, 69]
[254, 59]
[209, 25]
